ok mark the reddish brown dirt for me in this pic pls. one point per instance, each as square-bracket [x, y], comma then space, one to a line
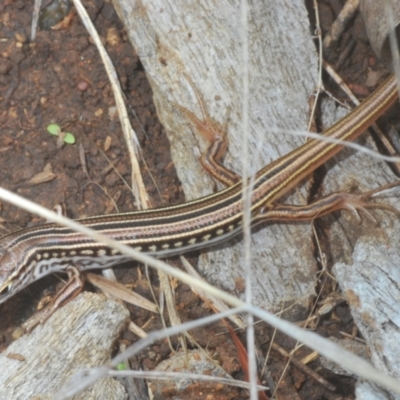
[60, 79]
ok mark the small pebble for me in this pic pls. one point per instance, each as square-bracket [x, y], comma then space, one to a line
[83, 86]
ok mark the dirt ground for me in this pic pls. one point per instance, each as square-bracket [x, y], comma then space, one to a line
[60, 79]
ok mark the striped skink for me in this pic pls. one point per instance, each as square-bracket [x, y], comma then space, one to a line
[31, 253]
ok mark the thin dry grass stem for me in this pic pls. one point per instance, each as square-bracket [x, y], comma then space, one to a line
[131, 140]
[212, 302]
[109, 272]
[144, 162]
[120, 291]
[304, 324]
[346, 14]
[320, 85]
[82, 159]
[350, 145]
[165, 286]
[175, 321]
[269, 351]
[292, 359]
[250, 337]
[341, 83]
[178, 375]
[216, 303]
[310, 358]
[160, 304]
[357, 339]
[35, 18]
[321, 257]
[272, 342]
[137, 330]
[148, 322]
[111, 165]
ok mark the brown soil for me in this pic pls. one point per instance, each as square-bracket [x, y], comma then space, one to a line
[60, 79]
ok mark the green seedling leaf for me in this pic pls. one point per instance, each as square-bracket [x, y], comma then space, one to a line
[121, 367]
[69, 138]
[54, 129]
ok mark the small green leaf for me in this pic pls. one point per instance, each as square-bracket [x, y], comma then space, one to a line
[69, 138]
[54, 129]
[121, 367]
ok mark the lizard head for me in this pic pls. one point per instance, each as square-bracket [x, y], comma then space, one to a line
[13, 275]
